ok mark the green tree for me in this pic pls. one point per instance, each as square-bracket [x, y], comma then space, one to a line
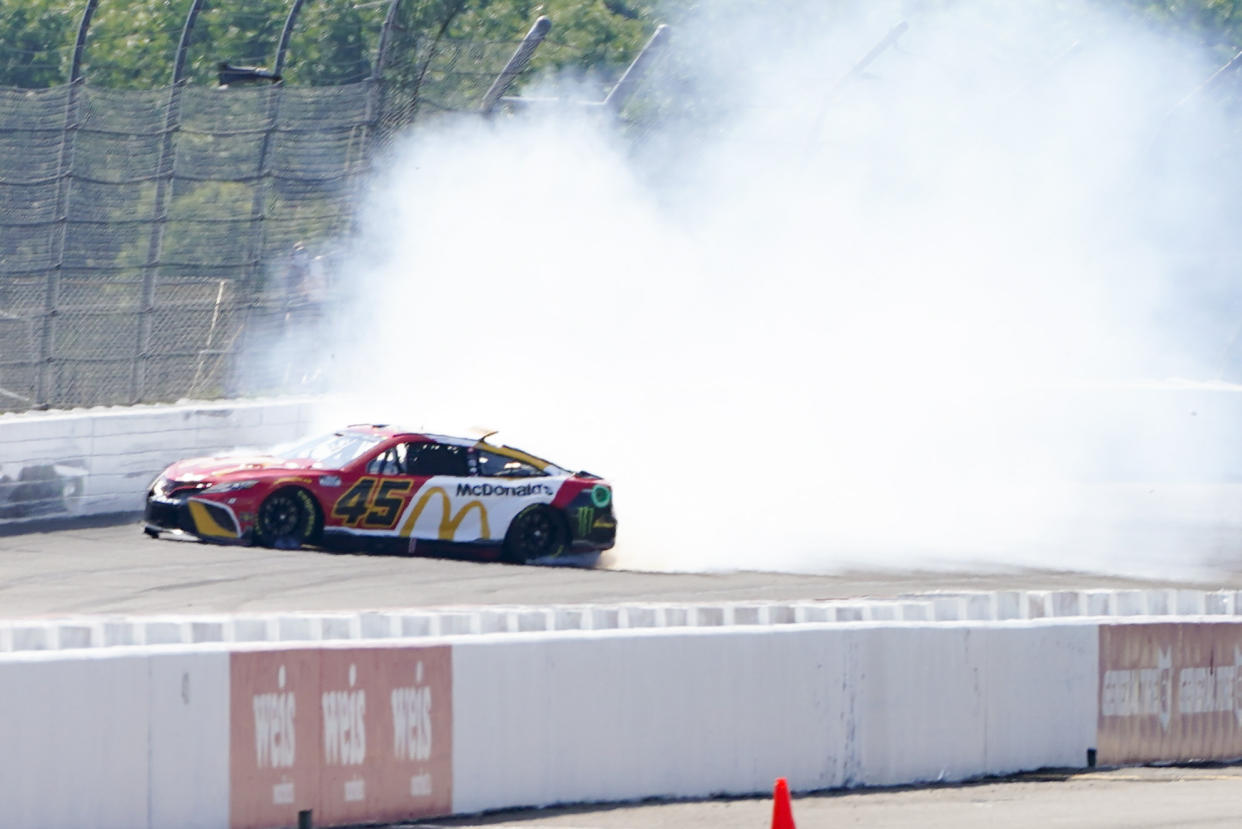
[36, 42]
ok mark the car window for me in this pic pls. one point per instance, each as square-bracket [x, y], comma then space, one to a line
[436, 459]
[329, 451]
[493, 465]
[391, 461]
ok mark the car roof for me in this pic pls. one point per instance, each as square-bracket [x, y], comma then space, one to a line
[387, 431]
[384, 430]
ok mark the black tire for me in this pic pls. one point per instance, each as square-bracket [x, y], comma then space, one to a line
[536, 532]
[287, 519]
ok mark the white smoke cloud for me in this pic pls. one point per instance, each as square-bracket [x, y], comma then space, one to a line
[826, 324]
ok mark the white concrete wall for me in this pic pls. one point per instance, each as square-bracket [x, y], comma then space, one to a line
[948, 702]
[592, 717]
[74, 733]
[188, 703]
[599, 716]
[120, 450]
[124, 739]
[139, 736]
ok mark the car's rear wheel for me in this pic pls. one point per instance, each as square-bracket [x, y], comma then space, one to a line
[536, 532]
[286, 519]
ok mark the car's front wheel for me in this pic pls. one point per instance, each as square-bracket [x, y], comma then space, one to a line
[286, 519]
[536, 532]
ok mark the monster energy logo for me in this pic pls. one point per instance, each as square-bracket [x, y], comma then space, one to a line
[586, 519]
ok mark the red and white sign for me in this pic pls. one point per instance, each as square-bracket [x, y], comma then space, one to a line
[274, 727]
[1170, 691]
[356, 734]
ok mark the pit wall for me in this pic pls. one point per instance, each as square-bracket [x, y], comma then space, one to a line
[100, 461]
[249, 735]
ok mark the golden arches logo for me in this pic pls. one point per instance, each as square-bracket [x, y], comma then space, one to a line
[448, 521]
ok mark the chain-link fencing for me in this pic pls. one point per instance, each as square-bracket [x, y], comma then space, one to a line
[148, 236]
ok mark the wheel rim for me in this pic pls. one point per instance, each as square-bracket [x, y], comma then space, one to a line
[535, 535]
[281, 516]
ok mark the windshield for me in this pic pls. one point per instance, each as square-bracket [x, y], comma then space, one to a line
[330, 451]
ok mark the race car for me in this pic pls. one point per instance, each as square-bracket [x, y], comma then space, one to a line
[377, 487]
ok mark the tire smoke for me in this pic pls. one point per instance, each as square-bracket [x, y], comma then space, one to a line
[919, 315]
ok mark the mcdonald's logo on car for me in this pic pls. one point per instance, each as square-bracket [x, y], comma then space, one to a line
[449, 521]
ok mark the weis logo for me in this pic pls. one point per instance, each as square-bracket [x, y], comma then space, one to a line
[344, 724]
[274, 743]
[411, 719]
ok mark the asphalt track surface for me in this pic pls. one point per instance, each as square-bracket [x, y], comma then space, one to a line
[107, 568]
[1106, 799]
[104, 567]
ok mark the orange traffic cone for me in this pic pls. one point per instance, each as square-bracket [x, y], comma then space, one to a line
[782, 811]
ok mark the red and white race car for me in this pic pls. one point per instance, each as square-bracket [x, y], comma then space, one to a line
[383, 488]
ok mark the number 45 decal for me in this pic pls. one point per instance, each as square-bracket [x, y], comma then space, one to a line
[366, 505]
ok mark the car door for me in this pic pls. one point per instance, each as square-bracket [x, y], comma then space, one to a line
[441, 506]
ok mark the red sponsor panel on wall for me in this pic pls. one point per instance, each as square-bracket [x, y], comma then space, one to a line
[273, 737]
[1170, 691]
[355, 734]
[387, 734]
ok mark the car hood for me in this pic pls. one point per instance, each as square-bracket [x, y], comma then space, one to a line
[214, 469]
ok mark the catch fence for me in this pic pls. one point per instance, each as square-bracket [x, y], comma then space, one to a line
[138, 228]
[146, 236]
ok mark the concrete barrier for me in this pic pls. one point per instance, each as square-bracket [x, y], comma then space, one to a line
[100, 460]
[120, 738]
[1009, 605]
[605, 716]
[250, 734]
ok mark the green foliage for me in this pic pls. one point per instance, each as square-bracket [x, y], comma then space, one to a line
[36, 41]
[132, 44]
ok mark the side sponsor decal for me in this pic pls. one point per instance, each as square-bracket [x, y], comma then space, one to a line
[371, 736]
[449, 520]
[503, 490]
[469, 510]
[1170, 691]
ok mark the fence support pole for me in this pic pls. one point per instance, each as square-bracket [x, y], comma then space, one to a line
[381, 51]
[79, 46]
[856, 71]
[517, 62]
[64, 173]
[286, 33]
[163, 180]
[620, 94]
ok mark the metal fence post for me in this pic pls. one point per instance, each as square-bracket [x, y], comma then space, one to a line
[285, 34]
[517, 62]
[163, 180]
[381, 51]
[621, 93]
[64, 173]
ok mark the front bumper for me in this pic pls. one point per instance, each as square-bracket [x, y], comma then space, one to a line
[196, 516]
[167, 515]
